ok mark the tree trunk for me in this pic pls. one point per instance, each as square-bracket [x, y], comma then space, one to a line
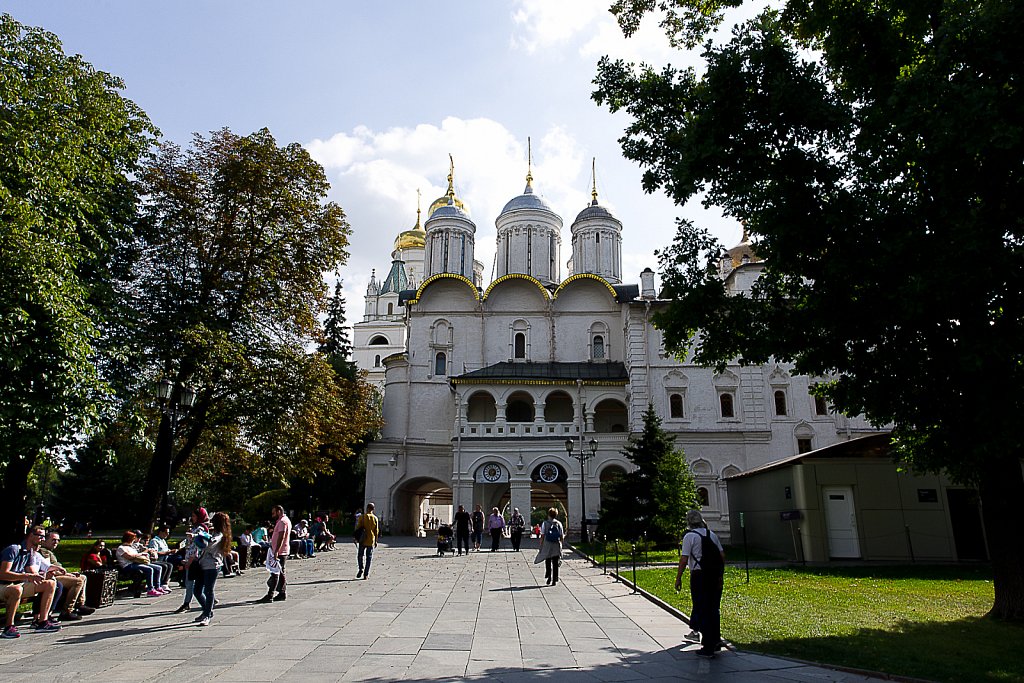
[13, 499]
[1002, 490]
[155, 486]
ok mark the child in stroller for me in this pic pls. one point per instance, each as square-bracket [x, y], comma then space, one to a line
[444, 539]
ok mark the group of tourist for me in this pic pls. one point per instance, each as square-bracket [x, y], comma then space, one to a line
[31, 570]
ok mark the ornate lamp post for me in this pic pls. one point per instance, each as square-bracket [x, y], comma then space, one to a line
[175, 402]
[583, 456]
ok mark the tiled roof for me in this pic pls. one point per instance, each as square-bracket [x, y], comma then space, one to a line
[507, 372]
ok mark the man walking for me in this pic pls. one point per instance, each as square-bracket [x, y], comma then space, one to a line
[279, 544]
[496, 525]
[478, 527]
[368, 529]
[516, 527]
[702, 553]
[462, 521]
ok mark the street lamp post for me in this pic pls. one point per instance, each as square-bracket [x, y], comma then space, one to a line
[175, 402]
[582, 457]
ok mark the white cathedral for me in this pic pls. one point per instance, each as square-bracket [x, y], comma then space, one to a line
[523, 393]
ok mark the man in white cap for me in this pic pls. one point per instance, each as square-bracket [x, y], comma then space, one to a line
[702, 553]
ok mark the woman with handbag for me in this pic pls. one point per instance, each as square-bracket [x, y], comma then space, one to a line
[134, 562]
[551, 534]
[217, 546]
[365, 535]
[200, 525]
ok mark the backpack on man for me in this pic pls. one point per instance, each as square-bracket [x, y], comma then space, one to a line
[710, 556]
[553, 534]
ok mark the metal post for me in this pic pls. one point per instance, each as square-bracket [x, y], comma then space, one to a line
[910, 544]
[632, 554]
[604, 544]
[616, 557]
[746, 555]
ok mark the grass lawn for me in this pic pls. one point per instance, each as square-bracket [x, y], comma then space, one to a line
[924, 622]
[656, 556]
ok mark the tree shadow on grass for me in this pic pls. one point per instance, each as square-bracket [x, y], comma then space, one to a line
[970, 649]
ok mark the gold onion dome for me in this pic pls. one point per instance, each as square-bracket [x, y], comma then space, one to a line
[743, 252]
[411, 239]
[448, 196]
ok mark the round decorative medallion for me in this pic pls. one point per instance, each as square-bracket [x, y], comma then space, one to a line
[548, 472]
[492, 472]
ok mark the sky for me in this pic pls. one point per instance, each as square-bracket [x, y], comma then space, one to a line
[381, 93]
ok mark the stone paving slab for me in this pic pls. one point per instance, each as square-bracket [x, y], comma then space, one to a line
[481, 617]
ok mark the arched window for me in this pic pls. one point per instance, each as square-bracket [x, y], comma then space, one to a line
[726, 402]
[391, 308]
[598, 347]
[440, 363]
[675, 402]
[519, 350]
[780, 402]
[379, 340]
[481, 408]
[376, 361]
[702, 496]
[519, 408]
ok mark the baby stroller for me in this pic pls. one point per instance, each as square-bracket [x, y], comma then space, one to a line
[444, 539]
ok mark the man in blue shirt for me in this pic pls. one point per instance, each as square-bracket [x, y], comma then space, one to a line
[20, 578]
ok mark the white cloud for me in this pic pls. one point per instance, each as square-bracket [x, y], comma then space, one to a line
[548, 23]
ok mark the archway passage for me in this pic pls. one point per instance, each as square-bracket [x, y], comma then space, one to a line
[519, 407]
[610, 415]
[412, 498]
[558, 407]
[544, 496]
[481, 408]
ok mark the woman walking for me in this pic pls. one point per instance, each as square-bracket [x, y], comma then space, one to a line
[367, 529]
[211, 559]
[495, 524]
[551, 534]
[200, 521]
[516, 527]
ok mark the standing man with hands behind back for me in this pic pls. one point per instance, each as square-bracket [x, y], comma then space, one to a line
[702, 553]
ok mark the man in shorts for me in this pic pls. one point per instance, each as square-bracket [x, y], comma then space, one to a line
[20, 578]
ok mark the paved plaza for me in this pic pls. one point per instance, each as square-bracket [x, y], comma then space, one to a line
[419, 617]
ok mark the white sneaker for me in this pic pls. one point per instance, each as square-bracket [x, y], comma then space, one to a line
[205, 621]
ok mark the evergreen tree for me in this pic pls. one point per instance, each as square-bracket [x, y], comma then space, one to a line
[651, 500]
[335, 342]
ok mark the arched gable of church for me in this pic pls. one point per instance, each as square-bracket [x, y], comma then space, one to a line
[585, 292]
[446, 292]
[516, 293]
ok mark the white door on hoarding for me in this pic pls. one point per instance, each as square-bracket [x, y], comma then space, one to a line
[842, 522]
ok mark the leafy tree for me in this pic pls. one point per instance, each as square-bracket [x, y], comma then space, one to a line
[874, 152]
[69, 143]
[235, 238]
[651, 500]
[109, 467]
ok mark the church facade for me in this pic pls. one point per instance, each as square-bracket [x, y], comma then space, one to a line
[523, 393]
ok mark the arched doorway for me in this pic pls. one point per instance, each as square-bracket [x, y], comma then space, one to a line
[549, 488]
[519, 407]
[414, 498]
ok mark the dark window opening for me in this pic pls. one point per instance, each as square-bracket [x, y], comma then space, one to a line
[727, 408]
[520, 346]
[441, 364]
[675, 402]
[804, 446]
[780, 402]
